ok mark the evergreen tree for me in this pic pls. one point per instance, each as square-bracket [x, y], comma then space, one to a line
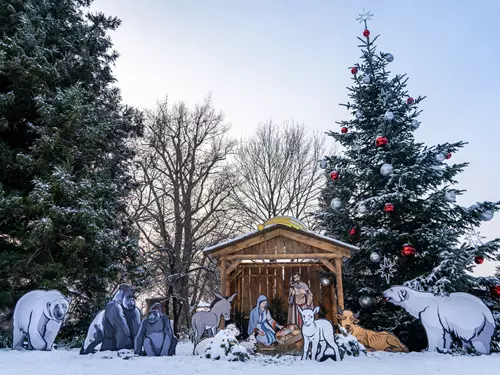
[394, 198]
[64, 153]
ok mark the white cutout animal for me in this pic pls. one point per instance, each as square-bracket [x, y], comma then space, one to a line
[250, 344]
[230, 331]
[38, 316]
[317, 332]
[460, 314]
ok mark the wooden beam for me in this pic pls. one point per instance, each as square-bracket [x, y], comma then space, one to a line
[340, 288]
[279, 265]
[329, 266]
[236, 274]
[223, 284]
[244, 244]
[282, 256]
[314, 242]
[233, 266]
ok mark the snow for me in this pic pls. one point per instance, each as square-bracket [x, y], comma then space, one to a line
[64, 362]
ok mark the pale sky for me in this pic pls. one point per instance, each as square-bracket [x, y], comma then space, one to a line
[289, 59]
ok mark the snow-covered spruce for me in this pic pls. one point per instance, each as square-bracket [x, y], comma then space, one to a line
[225, 346]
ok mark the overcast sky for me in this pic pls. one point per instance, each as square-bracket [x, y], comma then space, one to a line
[286, 59]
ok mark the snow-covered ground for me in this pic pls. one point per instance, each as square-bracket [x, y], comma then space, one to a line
[69, 362]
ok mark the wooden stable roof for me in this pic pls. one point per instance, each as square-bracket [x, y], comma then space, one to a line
[325, 247]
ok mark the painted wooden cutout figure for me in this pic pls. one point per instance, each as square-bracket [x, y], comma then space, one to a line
[317, 333]
[461, 315]
[299, 296]
[155, 336]
[38, 316]
[209, 320]
[262, 324]
[371, 340]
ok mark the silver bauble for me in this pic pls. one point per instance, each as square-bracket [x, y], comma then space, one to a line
[375, 257]
[386, 170]
[389, 57]
[389, 116]
[325, 281]
[359, 115]
[486, 215]
[362, 208]
[439, 157]
[366, 79]
[450, 196]
[415, 124]
[336, 203]
[323, 163]
[366, 302]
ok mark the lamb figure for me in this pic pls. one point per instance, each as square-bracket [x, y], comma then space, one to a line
[317, 333]
[460, 314]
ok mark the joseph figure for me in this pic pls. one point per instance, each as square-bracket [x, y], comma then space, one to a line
[299, 295]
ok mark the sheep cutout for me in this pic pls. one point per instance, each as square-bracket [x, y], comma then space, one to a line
[459, 314]
[317, 333]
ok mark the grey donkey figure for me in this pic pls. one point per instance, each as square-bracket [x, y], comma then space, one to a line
[209, 320]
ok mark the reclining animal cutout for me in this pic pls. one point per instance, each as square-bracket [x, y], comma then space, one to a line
[155, 337]
[209, 320]
[230, 331]
[38, 317]
[317, 333]
[115, 327]
[371, 340]
[459, 315]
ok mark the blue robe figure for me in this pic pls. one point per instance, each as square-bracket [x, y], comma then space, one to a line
[261, 324]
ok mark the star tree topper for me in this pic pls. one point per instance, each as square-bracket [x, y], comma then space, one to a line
[365, 16]
[387, 270]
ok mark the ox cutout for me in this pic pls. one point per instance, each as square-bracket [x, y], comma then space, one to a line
[317, 333]
[209, 320]
[38, 316]
[155, 336]
[115, 327]
[371, 340]
[458, 315]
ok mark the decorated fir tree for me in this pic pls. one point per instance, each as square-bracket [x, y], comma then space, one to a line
[395, 198]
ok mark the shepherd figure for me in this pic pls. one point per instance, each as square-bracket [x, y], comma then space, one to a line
[300, 296]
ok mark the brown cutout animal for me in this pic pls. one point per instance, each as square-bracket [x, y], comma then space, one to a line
[371, 340]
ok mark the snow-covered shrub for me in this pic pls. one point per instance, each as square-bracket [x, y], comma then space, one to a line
[349, 345]
[225, 346]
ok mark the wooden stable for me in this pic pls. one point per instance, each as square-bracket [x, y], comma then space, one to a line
[263, 262]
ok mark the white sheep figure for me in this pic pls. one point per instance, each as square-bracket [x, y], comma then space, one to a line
[317, 332]
[250, 344]
[460, 314]
[230, 331]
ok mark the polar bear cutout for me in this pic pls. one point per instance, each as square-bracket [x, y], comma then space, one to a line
[38, 316]
[460, 314]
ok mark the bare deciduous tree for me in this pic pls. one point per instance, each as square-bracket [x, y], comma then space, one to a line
[278, 174]
[180, 204]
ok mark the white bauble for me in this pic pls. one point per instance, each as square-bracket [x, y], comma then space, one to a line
[336, 203]
[375, 257]
[486, 215]
[325, 281]
[362, 209]
[386, 170]
[323, 163]
[389, 116]
[359, 115]
[366, 302]
[450, 196]
[366, 79]
[389, 57]
[415, 124]
[439, 157]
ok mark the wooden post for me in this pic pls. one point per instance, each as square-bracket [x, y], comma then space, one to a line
[223, 285]
[340, 289]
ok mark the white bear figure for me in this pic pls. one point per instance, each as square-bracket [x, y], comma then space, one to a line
[461, 314]
[38, 315]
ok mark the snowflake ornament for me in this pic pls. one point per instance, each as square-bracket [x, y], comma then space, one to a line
[387, 270]
[365, 16]
[474, 238]
[400, 188]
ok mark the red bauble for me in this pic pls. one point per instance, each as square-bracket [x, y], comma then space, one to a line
[354, 70]
[478, 259]
[352, 231]
[448, 155]
[381, 141]
[410, 100]
[334, 175]
[495, 290]
[366, 33]
[389, 207]
[343, 130]
[408, 250]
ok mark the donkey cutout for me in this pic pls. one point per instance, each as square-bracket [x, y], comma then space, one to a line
[318, 333]
[209, 320]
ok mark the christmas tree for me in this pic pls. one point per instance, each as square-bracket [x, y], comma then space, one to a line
[395, 199]
[64, 154]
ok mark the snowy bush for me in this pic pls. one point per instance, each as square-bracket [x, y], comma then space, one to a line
[225, 346]
[349, 345]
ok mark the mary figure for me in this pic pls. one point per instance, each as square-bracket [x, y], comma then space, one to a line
[262, 324]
